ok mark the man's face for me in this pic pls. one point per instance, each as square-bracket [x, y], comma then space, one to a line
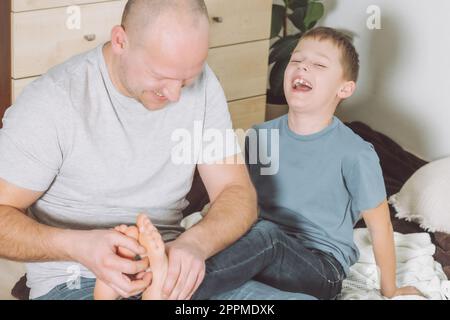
[155, 71]
[314, 77]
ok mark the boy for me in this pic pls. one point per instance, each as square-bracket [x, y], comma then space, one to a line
[328, 177]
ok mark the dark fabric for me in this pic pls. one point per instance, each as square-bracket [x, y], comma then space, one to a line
[20, 290]
[398, 166]
[443, 251]
[443, 239]
[198, 197]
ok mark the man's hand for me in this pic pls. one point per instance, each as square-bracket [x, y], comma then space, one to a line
[404, 291]
[97, 251]
[186, 270]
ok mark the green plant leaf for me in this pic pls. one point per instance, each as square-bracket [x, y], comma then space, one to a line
[283, 40]
[283, 48]
[295, 4]
[315, 11]
[277, 78]
[297, 18]
[278, 16]
[312, 25]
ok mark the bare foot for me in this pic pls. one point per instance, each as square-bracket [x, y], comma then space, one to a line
[150, 239]
[102, 291]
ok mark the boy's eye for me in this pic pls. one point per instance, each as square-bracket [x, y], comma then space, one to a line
[319, 65]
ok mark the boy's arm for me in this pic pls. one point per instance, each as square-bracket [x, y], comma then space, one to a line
[378, 222]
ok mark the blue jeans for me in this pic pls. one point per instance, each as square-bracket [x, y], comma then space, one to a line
[269, 255]
[251, 290]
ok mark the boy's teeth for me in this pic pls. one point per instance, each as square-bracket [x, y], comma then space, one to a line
[299, 82]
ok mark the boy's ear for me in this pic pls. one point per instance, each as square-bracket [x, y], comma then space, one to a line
[347, 89]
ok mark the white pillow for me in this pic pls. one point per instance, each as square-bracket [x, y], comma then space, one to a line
[425, 197]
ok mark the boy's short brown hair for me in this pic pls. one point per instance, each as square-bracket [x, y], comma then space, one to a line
[349, 55]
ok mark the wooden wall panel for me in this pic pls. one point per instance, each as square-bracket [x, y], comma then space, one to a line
[5, 56]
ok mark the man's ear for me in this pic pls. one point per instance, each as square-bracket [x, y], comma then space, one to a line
[119, 39]
[347, 89]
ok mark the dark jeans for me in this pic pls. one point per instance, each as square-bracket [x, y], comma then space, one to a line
[268, 255]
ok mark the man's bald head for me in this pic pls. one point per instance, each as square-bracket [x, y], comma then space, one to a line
[160, 48]
[139, 15]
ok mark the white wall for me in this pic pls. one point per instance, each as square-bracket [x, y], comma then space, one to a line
[404, 86]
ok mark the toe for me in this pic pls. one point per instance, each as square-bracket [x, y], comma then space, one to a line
[132, 232]
[149, 225]
[157, 240]
[141, 221]
[122, 228]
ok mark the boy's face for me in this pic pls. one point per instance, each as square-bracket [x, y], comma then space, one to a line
[314, 78]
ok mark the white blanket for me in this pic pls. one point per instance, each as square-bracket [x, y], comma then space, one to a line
[415, 267]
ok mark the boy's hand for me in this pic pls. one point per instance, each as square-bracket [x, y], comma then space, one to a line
[405, 291]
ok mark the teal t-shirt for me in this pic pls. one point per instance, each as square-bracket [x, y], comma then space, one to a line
[323, 184]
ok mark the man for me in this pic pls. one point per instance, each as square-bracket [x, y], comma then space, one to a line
[87, 147]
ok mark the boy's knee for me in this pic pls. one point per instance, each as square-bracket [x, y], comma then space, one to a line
[265, 225]
[267, 229]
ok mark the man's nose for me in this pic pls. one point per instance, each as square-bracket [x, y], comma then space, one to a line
[172, 90]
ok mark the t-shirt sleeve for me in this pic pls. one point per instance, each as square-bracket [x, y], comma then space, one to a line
[219, 139]
[364, 180]
[30, 154]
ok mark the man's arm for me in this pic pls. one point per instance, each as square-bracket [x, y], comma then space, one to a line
[233, 212]
[24, 239]
[378, 222]
[233, 208]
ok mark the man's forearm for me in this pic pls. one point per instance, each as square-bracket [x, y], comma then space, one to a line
[230, 217]
[25, 240]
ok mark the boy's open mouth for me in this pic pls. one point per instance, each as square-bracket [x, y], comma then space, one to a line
[301, 84]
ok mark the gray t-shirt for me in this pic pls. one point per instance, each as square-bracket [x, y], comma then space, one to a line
[101, 157]
[325, 180]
